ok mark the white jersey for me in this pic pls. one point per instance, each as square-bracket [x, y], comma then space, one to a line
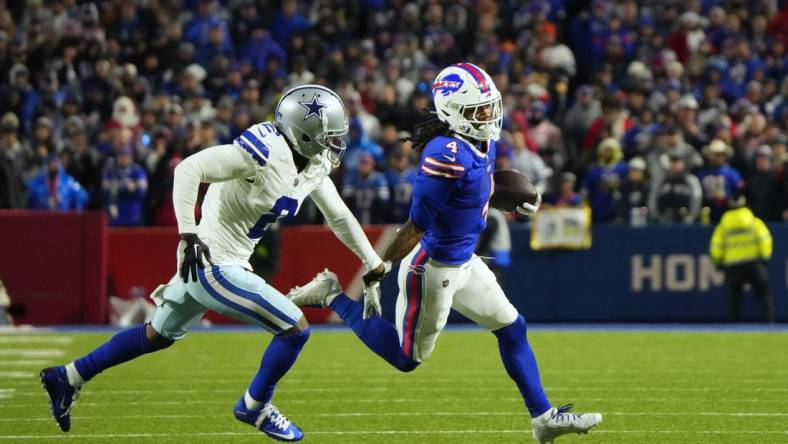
[255, 182]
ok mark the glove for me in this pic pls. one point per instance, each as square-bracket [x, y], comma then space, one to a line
[193, 250]
[372, 301]
[372, 290]
[530, 210]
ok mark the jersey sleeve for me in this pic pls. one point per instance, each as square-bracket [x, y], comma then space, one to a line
[430, 194]
[252, 142]
[441, 168]
[215, 164]
[443, 158]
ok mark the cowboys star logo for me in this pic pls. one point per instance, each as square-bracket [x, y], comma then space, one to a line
[313, 108]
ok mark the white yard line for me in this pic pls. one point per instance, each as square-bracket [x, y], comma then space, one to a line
[32, 352]
[17, 375]
[24, 363]
[35, 339]
[389, 432]
[286, 388]
[365, 400]
[405, 414]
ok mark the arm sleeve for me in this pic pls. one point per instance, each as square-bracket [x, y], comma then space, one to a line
[216, 164]
[429, 196]
[343, 223]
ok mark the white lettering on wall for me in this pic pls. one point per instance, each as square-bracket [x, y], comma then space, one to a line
[674, 273]
[640, 272]
[680, 272]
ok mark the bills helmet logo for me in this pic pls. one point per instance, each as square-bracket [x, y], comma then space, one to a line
[447, 85]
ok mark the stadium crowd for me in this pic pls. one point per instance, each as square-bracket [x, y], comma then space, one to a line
[655, 111]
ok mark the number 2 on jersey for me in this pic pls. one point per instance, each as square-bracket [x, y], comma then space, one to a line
[284, 207]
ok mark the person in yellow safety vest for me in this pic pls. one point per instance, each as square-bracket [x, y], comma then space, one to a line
[741, 246]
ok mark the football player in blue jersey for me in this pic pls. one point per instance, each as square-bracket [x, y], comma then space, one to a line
[439, 270]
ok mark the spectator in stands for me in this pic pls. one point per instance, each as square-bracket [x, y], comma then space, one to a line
[677, 198]
[554, 54]
[400, 176]
[612, 124]
[766, 189]
[198, 30]
[529, 163]
[545, 135]
[580, 116]
[260, 48]
[53, 189]
[79, 160]
[288, 20]
[566, 195]
[603, 180]
[633, 197]
[360, 145]
[720, 181]
[681, 74]
[125, 185]
[12, 164]
[366, 192]
[741, 246]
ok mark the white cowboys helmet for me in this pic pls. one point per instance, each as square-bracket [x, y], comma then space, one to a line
[467, 100]
[313, 119]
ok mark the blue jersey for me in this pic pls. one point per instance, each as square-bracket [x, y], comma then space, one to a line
[366, 196]
[401, 187]
[721, 182]
[451, 194]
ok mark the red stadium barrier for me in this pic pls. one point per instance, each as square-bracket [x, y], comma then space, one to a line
[142, 258]
[60, 267]
[55, 265]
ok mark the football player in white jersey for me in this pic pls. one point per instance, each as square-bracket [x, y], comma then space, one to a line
[263, 176]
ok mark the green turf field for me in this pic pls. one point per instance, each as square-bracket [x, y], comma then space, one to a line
[652, 387]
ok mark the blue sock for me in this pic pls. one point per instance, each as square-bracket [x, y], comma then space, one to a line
[124, 346]
[280, 355]
[378, 334]
[520, 363]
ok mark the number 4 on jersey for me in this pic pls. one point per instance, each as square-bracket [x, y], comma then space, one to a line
[284, 207]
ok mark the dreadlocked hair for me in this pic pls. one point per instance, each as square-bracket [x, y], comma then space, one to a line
[426, 130]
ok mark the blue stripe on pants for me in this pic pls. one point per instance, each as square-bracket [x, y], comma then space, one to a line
[235, 306]
[251, 296]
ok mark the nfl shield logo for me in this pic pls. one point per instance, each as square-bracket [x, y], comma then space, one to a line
[445, 283]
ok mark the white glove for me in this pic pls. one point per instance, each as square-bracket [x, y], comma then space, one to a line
[372, 301]
[530, 210]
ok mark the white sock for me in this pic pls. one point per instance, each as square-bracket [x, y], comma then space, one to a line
[330, 299]
[74, 378]
[251, 403]
[545, 416]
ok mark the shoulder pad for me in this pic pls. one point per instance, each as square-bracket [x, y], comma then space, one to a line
[253, 141]
[444, 157]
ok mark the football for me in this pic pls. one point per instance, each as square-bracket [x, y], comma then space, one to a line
[511, 190]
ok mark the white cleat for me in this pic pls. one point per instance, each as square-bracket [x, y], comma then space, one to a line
[558, 421]
[319, 292]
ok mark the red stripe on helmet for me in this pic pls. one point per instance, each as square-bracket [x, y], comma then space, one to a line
[477, 75]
